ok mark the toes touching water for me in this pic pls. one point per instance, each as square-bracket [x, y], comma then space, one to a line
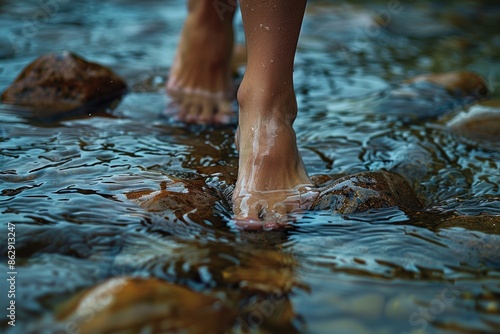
[200, 79]
[272, 180]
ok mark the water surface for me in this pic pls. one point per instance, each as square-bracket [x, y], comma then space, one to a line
[62, 181]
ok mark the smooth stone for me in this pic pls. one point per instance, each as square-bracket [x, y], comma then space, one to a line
[367, 190]
[195, 200]
[480, 122]
[457, 43]
[342, 23]
[179, 199]
[399, 307]
[133, 305]
[483, 223]
[266, 271]
[429, 96]
[57, 83]
[267, 314]
[460, 84]
[494, 103]
[413, 22]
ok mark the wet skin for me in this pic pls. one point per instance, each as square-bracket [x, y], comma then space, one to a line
[272, 180]
[200, 78]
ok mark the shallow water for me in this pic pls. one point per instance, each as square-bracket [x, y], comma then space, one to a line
[62, 181]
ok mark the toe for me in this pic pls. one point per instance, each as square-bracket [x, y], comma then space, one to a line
[280, 209]
[207, 111]
[257, 225]
[193, 111]
[250, 224]
[244, 209]
[184, 107]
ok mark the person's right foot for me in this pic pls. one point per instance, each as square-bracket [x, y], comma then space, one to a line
[200, 78]
[272, 180]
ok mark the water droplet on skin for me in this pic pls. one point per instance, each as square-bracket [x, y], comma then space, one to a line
[264, 27]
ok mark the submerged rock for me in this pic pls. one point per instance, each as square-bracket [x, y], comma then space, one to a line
[264, 271]
[460, 84]
[367, 190]
[179, 199]
[195, 200]
[58, 83]
[429, 96]
[133, 305]
[434, 221]
[412, 22]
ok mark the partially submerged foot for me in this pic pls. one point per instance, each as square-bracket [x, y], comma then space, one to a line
[200, 78]
[272, 180]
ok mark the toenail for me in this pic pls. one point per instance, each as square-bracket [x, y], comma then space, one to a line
[249, 224]
[224, 119]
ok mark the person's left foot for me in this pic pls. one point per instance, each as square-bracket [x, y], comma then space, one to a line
[200, 79]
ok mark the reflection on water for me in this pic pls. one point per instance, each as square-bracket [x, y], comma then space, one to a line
[386, 271]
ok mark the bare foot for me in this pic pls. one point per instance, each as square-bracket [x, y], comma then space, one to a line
[200, 78]
[272, 180]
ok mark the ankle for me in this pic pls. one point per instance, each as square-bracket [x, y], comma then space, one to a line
[263, 102]
[214, 16]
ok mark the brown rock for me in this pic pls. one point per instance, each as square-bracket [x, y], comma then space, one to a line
[412, 22]
[494, 103]
[264, 271]
[194, 199]
[56, 83]
[265, 277]
[461, 84]
[132, 305]
[480, 122]
[180, 198]
[435, 221]
[320, 180]
[430, 96]
[367, 190]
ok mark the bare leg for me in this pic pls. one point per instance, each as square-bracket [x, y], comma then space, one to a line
[200, 78]
[272, 180]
